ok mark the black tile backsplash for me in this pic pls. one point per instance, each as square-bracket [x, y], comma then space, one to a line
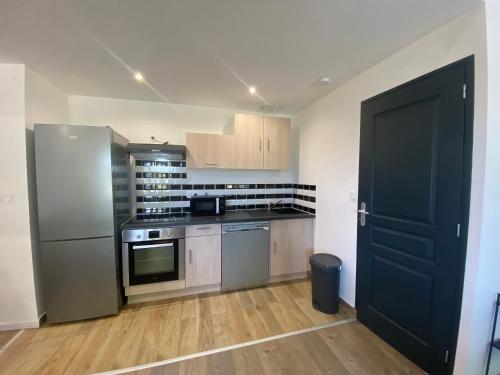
[160, 188]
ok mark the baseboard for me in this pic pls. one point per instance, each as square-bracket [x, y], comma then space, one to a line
[289, 277]
[19, 325]
[136, 291]
[348, 307]
[11, 326]
[150, 297]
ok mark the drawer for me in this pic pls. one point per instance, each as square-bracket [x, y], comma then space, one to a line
[202, 230]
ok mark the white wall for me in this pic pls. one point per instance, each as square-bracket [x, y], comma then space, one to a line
[45, 103]
[17, 289]
[329, 148]
[479, 301]
[139, 120]
[25, 98]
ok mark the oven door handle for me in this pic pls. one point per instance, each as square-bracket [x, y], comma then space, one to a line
[139, 247]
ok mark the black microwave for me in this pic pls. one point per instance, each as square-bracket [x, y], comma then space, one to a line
[208, 206]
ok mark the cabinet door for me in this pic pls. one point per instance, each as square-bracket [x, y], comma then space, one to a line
[227, 147]
[203, 260]
[210, 150]
[248, 141]
[277, 143]
[203, 150]
[291, 246]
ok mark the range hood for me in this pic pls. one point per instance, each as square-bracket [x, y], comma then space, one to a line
[152, 148]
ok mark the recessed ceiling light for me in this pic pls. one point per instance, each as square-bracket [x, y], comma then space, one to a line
[252, 90]
[325, 80]
[139, 77]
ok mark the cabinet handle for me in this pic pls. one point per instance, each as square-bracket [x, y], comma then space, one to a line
[268, 145]
[203, 228]
[274, 247]
[190, 256]
[260, 144]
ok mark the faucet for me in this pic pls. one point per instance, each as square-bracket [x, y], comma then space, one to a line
[271, 205]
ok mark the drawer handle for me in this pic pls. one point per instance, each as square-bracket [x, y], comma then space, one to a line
[203, 228]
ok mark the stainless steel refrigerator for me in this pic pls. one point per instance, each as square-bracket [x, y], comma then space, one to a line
[82, 176]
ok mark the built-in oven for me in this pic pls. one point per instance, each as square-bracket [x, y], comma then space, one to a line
[152, 255]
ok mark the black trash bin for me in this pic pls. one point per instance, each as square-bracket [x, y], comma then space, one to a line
[325, 280]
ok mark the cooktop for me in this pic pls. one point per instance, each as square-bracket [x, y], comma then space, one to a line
[157, 218]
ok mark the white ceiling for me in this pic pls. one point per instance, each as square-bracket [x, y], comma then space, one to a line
[204, 51]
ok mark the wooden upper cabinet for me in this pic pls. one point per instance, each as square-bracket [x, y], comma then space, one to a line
[259, 142]
[227, 158]
[209, 150]
[277, 143]
[248, 141]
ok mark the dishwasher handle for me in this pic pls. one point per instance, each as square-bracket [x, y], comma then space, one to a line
[231, 230]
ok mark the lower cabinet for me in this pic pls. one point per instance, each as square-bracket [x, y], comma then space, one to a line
[203, 260]
[291, 246]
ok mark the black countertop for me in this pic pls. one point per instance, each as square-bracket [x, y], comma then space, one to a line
[229, 217]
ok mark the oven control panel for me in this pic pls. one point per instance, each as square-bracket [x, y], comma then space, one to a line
[152, 234]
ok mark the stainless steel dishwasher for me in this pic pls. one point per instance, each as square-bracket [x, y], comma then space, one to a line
[245, 255]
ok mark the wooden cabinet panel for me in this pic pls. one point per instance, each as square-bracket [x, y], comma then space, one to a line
[227, 158]
[203, 260]
[291, 245]
[209, 150]
[202, 150]
[277, 142]
[248, 141]
[258, 143]
[203, 230]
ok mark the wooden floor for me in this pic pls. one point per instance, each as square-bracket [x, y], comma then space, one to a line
[5, 337]
[153, 332]
[348, 349]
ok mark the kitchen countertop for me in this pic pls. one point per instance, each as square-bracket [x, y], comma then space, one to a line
[229, 217]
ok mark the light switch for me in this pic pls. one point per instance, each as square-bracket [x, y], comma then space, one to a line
[353, 197]
[6, 198]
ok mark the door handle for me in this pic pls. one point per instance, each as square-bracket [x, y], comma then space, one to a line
[362, 214]
[167, 244]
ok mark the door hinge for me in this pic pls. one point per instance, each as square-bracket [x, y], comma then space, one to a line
[464, 92]
[458, 230]
[446, 356]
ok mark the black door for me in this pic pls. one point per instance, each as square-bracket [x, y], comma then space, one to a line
[413, 182]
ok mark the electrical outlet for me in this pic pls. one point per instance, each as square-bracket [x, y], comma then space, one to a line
[6, 198]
